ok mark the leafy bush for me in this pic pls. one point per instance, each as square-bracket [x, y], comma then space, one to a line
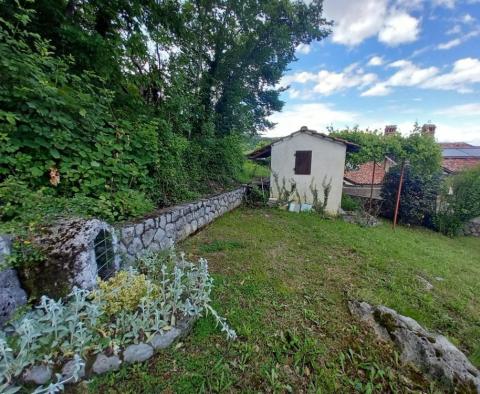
[418, 198]
[21, 205]
[350, 203]
[460, 201]
[83, 325]
[256, 197]
[124, 291]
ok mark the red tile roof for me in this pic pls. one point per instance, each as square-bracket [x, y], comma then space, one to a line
[363, 175]
[459, 164]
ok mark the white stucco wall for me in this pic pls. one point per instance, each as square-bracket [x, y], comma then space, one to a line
[328, 162]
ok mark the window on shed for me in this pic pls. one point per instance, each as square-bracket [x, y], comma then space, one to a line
[303, 162]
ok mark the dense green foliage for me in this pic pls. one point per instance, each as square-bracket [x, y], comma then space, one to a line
[418, 198]
[350, 203]
[420, 150]
[460, 201]
[422, 156]
[129, 101]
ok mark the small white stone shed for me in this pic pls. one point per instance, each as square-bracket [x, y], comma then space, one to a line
[310, 160]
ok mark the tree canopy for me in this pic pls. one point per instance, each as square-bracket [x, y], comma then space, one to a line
[420, 150]
[140, 98]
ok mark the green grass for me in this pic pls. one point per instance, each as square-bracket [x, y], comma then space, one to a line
[253, 171]
[283, 280]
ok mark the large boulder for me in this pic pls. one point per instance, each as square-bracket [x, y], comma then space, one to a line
[72, 254]
[432, 353]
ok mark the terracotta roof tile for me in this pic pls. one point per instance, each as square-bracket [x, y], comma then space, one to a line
[459, 164]
[363, 175]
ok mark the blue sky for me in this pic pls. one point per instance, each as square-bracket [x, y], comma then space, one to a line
[389, 62]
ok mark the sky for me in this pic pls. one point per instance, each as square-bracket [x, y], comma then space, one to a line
[389, 62]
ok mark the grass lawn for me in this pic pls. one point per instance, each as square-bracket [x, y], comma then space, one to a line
[283, 280]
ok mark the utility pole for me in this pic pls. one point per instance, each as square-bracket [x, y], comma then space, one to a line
[373, 180]
[400, 185]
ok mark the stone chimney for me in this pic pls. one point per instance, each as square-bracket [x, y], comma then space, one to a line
[390, 130]
[429, 129]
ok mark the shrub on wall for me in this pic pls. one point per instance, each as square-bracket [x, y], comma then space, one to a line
[460, 201]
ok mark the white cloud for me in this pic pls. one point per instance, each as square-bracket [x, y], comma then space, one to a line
[355, 21]
[304, 49]
[458, 41]
[462, 110]
[399, 28]
[316, 116]
[449, 44]
[456, 29]
[444, 3]
[464, 74]
[300, 77]
[375, 61]
[408, 74]
[380, 89]
[467, 18]
[329, 82]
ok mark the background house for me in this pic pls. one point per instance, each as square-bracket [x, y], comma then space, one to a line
[309, 160]
[456, 156]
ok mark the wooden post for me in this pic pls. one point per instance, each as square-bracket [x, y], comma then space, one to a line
[371, 188]
[400, 184]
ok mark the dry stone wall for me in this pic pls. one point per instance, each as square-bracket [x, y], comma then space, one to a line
[174, 224]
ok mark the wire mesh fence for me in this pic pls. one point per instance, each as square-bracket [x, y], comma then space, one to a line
[104, 254]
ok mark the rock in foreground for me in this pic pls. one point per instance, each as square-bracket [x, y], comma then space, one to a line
[433, 353]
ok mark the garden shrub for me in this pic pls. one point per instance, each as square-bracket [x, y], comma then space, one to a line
[256, 197]
[418, 198]
[124, 291]
[350, 203]
[89, 322]
[460, 201]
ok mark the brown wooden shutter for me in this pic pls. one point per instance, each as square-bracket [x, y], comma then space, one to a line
[303, 162]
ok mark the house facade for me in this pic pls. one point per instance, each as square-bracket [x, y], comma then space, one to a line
[306, 163]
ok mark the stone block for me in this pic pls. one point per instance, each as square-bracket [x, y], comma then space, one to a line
[147, 237]
[139, 229]
[127, 234]
[104, 364]
[162, 221]
[137, 353]
[149, 224]
[135, 247]
[11, 298]
[159, 235]
[9, 278]
[162, 341]
[170, 230]
[38, 374]
[68, 371]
